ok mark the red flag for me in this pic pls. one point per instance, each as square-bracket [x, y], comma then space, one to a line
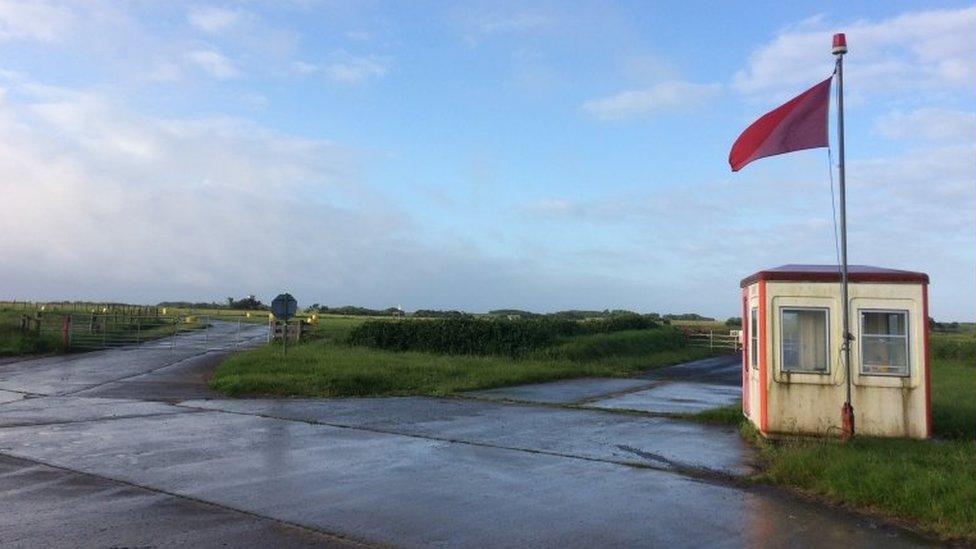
[800, 123]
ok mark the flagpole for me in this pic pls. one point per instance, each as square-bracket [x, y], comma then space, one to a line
[847, 412]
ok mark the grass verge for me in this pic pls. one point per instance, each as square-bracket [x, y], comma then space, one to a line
[723, 415]
[931, 484]
[328, 369]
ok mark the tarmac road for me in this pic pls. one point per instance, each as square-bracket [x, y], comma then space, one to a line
[129, 448]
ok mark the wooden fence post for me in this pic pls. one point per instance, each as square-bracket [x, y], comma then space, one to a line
[66, 331]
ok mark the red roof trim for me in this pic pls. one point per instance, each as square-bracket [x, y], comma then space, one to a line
[831, 273]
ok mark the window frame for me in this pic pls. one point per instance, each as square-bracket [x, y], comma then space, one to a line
[908, 342]
[782, 347]
[754, 337]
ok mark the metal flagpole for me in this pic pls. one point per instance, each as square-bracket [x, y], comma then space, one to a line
[847, 412]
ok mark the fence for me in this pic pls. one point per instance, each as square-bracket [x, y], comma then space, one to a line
[714, 340]
[80, 307]
[296, 330]
[103, 331]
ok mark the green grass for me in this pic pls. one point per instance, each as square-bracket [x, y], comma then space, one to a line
[13, 342]
[334, 328]
[931, 484]
[954, 398]
[328, 368]
[928, 483]
[629, 343]
[723, 415]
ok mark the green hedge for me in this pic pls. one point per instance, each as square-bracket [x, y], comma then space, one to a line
[953, 346]
[618, 344]
[15, 342]
[475, 336]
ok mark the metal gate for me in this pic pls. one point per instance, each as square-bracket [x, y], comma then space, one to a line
[712, 340]
[105, 331]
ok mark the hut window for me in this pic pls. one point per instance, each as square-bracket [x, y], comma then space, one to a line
[803, 342]
[884, 343]
[754, 337]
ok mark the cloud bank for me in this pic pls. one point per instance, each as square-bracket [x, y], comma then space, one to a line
[666, 97]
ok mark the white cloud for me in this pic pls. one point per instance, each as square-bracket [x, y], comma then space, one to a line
[928, 123]
[482, 20]
[303, 67]
[87, 122]
[37, 20]
[360, 35]
[355, 69]
[214, 63]
[661, 98]
[345, 68]
[558, 207]
[212, 19]
[164, 72]
[255, 101]
[104, 204]
[914, 51]
[915, 210]
[149, 205]
[489, 23]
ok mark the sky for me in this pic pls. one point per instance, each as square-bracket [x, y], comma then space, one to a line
[472, 155]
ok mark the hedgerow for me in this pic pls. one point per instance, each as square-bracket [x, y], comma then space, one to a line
[953, 347]
[476, 336]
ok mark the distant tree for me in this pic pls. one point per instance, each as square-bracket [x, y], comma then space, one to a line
[249, 303]
[733, 321]
[433, 313]
[936, 326]
[512, 313]
[576, 314]
[350, 310]
[190, 305]
[689, 316]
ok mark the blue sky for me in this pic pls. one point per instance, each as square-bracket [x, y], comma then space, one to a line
[471, 155]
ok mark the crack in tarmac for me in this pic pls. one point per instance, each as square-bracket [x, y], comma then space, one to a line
[122, 379]
[99, 419]
[325, 533]
[683, 470]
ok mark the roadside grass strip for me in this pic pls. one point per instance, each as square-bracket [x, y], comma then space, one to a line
[723, 415]
[929, 484]
[321, 369]
[329, 368]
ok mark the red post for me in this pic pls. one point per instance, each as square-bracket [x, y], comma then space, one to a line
[847, 422]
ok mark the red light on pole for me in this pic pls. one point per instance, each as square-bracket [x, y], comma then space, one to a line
[840, 44]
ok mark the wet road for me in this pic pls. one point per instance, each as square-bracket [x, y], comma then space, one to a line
[128, 447]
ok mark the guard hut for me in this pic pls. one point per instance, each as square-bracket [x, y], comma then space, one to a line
[793, 375]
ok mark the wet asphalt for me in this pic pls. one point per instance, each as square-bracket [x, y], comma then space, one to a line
[130, 448]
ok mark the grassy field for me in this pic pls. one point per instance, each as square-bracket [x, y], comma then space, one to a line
[328, 367]
[717, 326]
[334, 329]
[931, 484]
